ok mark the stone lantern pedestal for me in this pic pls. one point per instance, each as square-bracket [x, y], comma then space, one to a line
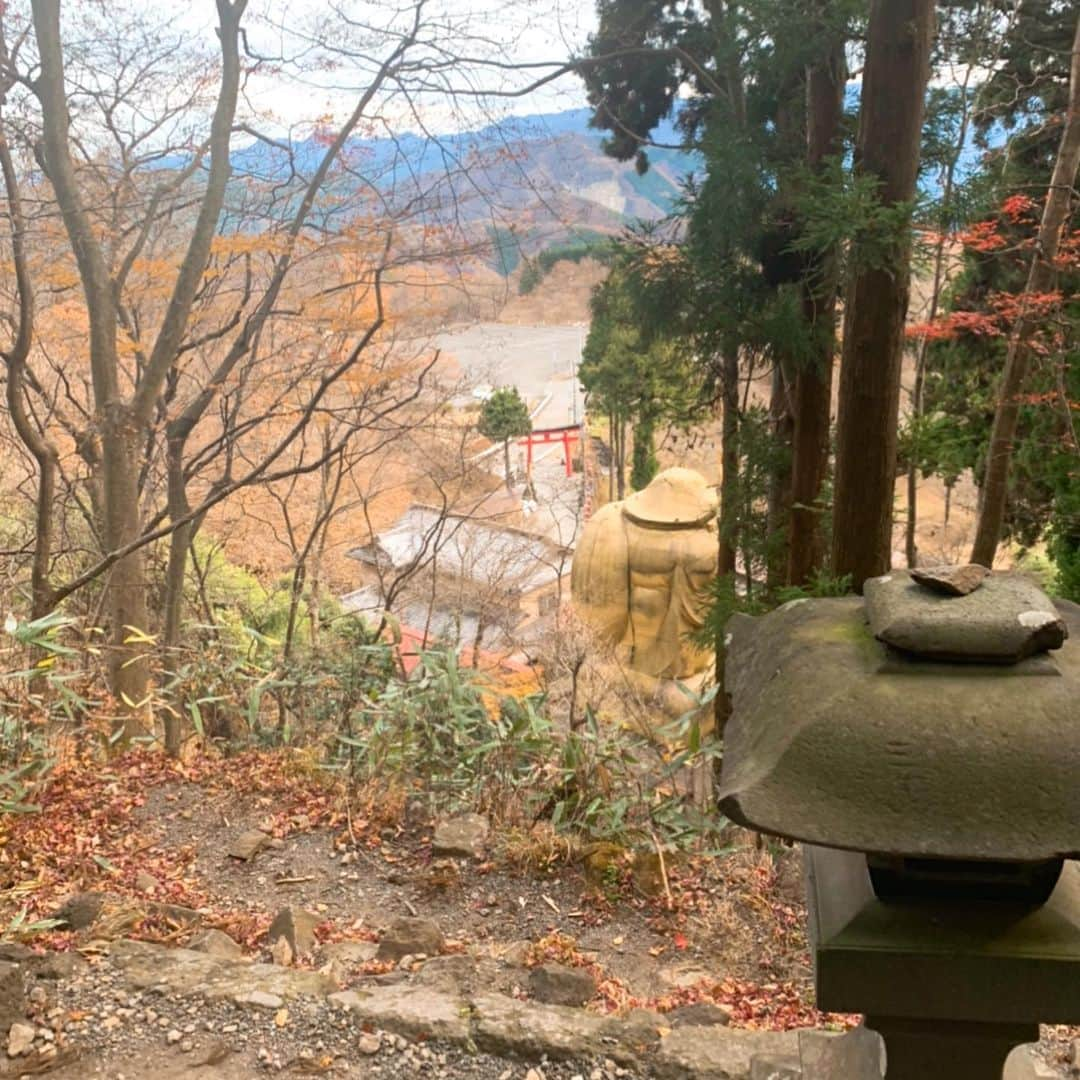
[952, 987]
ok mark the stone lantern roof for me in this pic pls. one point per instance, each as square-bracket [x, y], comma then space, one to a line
[913, 724]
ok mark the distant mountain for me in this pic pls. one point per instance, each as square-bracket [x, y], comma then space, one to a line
[550, 168]
[545, 176]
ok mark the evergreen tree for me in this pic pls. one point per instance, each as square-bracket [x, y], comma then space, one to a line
[635, 376]
[645, 464]
[505, 416]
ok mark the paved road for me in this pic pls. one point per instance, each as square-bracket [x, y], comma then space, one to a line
[538, 360]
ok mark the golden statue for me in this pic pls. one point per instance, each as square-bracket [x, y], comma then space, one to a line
[640, 579]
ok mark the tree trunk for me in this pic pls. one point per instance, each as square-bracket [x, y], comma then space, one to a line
[180, 541]
[620, 459]
[729, 460]
[296, 594]
[506, 464]
[478, 638]
[611, 462]
[129, 623]
[1042, 278]
[813, 381]
[890, 125]
[782, 424]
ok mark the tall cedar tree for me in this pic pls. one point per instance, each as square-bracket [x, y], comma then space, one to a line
[812, 395]
[890, 126]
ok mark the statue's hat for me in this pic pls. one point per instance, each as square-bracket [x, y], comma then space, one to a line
[675, 497]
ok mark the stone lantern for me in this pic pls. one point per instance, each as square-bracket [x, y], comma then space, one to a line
[923, 744]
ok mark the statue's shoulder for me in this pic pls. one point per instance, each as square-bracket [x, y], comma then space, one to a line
[599, 570]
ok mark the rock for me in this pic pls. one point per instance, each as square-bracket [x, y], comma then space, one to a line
[13, 953]
[12, 994]
[857, 1055]
[297, 927]
[1008, 619]
[81, 910]
[556, 984]
[350, 953]
[643, 1024]
[248, 844]
[647, 873]
[369, 1044]
[55, 965]
[442, 876]
[602, 862]
[534, 1074]
[407, 935]
[147, 883]
[504, 1025]
[700, 1014]
[1025, 1063]
[720, 1053]
[184, 972]
[951, 580]
[455, 974]
[407, 1010]
[464, 836]
[262, 999]
[173, 1036]
[776, 1067]
[20, 1039]
[216, 943]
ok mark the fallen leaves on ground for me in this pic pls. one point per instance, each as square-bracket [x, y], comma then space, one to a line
[85, 837]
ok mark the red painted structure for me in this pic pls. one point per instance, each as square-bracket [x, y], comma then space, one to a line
[565, 435]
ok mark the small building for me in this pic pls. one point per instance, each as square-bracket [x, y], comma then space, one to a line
[462, 579]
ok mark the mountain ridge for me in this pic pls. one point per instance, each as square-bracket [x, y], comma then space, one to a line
[520, 160]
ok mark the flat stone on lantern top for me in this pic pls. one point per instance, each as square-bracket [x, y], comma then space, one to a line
[951, 580]
[1005, 620]
[835, 739]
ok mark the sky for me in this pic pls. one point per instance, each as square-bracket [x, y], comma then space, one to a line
[327, 37]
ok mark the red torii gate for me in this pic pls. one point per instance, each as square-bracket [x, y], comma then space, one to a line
[565, 435]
